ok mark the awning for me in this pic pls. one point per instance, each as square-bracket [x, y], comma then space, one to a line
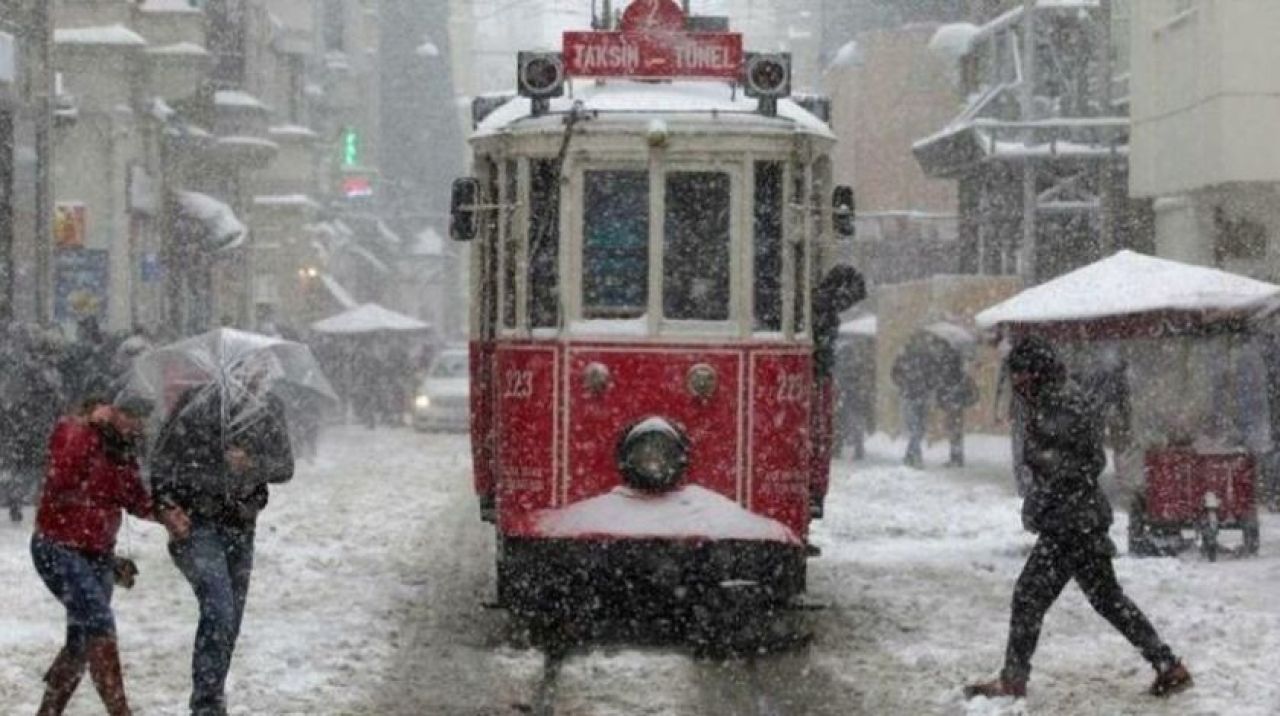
[221, 229]
[369, 318]
[1130, 295]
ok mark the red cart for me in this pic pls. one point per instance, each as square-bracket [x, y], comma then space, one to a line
[1189, 490]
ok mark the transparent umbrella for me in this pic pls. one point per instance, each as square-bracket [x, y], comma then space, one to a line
[236, 368]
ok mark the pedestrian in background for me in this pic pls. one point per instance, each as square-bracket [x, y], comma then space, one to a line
[1067, 510]
[32, 397]
[219, 476]
[913, 374]
[92, 475]
[956, 393]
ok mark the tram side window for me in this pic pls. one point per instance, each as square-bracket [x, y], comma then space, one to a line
[510, 247]
[768, 246]
[544, 243]
[695, 263]
[615, 244]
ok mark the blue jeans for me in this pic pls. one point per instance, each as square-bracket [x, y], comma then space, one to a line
[217, 561]
[83, 583]
[915, 414]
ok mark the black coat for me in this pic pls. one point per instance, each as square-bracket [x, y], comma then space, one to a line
[1063, 450]
[189, 467]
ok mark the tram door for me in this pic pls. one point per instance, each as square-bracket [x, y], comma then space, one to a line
[484, 329]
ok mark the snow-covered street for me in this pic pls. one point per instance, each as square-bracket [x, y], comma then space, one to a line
[372, 570]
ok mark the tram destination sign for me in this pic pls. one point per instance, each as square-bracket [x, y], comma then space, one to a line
[653, 55]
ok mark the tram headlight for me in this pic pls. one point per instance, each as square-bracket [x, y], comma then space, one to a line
[540, 75]
[652, 455]
[422, 402]
[767, 75]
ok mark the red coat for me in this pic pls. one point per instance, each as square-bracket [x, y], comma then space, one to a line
[85, 489]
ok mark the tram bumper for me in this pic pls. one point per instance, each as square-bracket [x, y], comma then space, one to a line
[642, 553]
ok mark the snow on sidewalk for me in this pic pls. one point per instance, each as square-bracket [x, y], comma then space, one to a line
[332, 571]
[936, 553]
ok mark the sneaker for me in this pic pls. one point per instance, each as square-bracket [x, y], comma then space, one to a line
[996, 688]
[1172, 680]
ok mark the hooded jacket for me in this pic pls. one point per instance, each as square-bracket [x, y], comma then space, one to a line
[189, 467]
[91, 476]
[1063, 450]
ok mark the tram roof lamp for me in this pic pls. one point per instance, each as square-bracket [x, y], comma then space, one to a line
[540, 76]
[767, 76]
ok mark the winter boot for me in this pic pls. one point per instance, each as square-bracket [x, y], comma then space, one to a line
[60, 683]
[1171, 680]
[104, 668]
[997, 688]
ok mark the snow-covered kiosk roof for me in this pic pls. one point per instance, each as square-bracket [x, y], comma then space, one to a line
[1129, 295]
[678, 103]
[369, 318]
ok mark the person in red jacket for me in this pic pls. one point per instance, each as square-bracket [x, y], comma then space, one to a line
[91, 475]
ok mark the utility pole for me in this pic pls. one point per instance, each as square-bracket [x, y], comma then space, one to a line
[1027, 251]
[1106, 197]
[43, 79]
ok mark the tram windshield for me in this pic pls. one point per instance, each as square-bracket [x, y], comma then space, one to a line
[615, 244]
[695, 261]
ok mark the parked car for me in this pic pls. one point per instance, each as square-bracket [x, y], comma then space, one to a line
[442, 401]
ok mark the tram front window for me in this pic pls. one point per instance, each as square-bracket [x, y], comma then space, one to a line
[615, 251]
[695, 263]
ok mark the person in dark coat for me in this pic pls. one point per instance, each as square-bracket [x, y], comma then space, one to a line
[956, 393]
[914, 374]
[218, 470]
[1067, 510]
[839, 290]
[92, 476]
[33, 398]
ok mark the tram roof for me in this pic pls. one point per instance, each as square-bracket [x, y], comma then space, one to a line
[696, 101]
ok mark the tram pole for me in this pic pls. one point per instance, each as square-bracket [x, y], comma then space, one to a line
[1027, 252]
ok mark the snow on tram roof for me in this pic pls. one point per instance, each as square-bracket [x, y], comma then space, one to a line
[649, 98]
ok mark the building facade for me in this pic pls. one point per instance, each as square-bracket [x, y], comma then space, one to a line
[26, 84]
[1205, 104]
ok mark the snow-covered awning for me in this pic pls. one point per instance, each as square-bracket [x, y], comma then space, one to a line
[1129, 295]
[223, 229]
[369, 318]
[238, 99]
[181, 6]
[293, 201]
[179, 49]
[112, 35]
[971, 139]
[861, 326]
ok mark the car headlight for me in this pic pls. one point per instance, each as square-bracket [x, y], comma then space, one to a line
[422, 402]
[652, 455]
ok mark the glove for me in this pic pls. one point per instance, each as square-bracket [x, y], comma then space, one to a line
[125, 571]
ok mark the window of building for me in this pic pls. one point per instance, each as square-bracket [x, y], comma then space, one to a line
[695, 263]
[615, 244]
[1235, 238]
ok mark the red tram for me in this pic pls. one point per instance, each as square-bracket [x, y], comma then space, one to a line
[645, 245]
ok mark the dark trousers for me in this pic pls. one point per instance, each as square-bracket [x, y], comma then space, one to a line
[83, 583]
[1087, 559]
[955, 434]
[217, 560]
